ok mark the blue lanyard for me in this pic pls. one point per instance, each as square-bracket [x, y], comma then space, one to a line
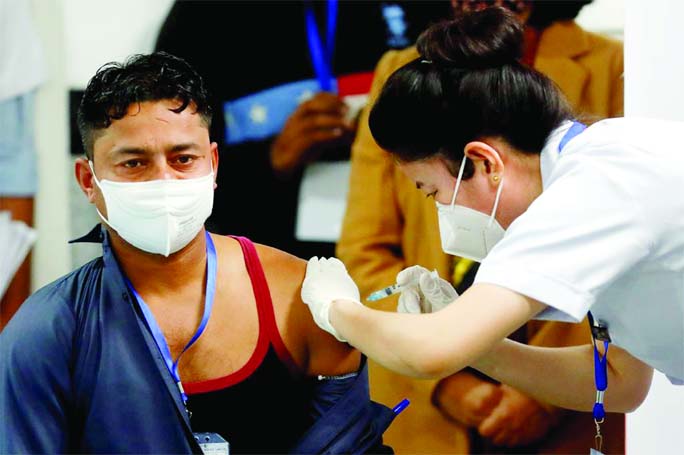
[599, 332]
[321, 56]
[156, 331]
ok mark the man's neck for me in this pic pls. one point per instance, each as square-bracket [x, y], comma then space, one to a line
[155, 274]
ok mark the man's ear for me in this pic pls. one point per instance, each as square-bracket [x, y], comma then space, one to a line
[485, 158]
[84, 177]
[214, 160]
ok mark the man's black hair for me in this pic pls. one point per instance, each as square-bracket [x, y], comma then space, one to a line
[142, 77]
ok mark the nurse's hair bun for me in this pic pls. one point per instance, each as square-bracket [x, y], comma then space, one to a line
[489, 38]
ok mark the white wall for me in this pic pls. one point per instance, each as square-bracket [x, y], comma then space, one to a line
[51, 254]
[654, 71]
[99, 31]
[604, 16]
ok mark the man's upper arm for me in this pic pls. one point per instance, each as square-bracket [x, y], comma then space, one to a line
[330, 357]
[315, 351]
[35, 382]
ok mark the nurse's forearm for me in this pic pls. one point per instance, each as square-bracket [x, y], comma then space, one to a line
[564, 377]
[380, 335]
[434, 345]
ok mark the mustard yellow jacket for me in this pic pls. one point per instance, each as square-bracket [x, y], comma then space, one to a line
[390, 225]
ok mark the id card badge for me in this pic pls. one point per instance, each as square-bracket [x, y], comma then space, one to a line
[212, 444]
[595, 452]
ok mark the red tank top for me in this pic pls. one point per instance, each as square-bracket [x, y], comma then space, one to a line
[264, 406]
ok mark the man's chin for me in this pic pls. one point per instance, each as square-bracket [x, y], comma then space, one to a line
[121, 243]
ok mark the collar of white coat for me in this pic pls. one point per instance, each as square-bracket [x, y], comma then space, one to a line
[550, 155]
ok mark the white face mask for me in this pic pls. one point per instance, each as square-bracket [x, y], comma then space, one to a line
[466, 232]
[157, 216]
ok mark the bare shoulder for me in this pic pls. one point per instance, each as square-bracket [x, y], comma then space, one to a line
[316, 351]
[284, 272]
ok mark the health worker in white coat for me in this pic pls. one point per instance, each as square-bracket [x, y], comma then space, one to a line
[565, 221]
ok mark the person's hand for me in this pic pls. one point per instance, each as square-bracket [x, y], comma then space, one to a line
[327, 280]
[321, 119]
[466, 398]
[517, 420]
[424, 291]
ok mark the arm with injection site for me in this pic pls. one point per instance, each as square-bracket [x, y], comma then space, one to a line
[471, 331]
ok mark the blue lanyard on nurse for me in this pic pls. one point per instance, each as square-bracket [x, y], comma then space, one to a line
[159, 336]
[322, 56]
[599, 332]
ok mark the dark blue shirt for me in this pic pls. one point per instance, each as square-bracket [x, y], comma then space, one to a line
[79, 371]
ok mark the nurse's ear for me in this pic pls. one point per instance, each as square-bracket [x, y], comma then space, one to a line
[486, 160]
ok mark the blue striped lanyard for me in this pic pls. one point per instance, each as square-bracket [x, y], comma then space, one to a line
[599, 332]
[159, 335]
[322, 56]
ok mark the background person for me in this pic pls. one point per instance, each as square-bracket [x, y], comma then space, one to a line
[389, 225]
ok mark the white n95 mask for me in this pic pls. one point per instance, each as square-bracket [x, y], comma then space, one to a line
[466, 232]
[157, 216]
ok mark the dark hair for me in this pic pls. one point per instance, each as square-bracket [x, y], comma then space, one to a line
[467, 84]
[545, 12]
[142, 77]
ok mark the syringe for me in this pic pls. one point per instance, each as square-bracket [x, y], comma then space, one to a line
[385, 292]
[395, 289]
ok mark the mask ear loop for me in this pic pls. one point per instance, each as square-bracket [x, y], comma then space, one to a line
[496, 203]
[458, 182]
[97, 182]
[92, 171]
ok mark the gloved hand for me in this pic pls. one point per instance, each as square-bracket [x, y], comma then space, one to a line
[425, 291]
[327, 280]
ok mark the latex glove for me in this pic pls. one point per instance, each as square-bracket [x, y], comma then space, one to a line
[327, 280]
[516, 420]
[425, 291]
